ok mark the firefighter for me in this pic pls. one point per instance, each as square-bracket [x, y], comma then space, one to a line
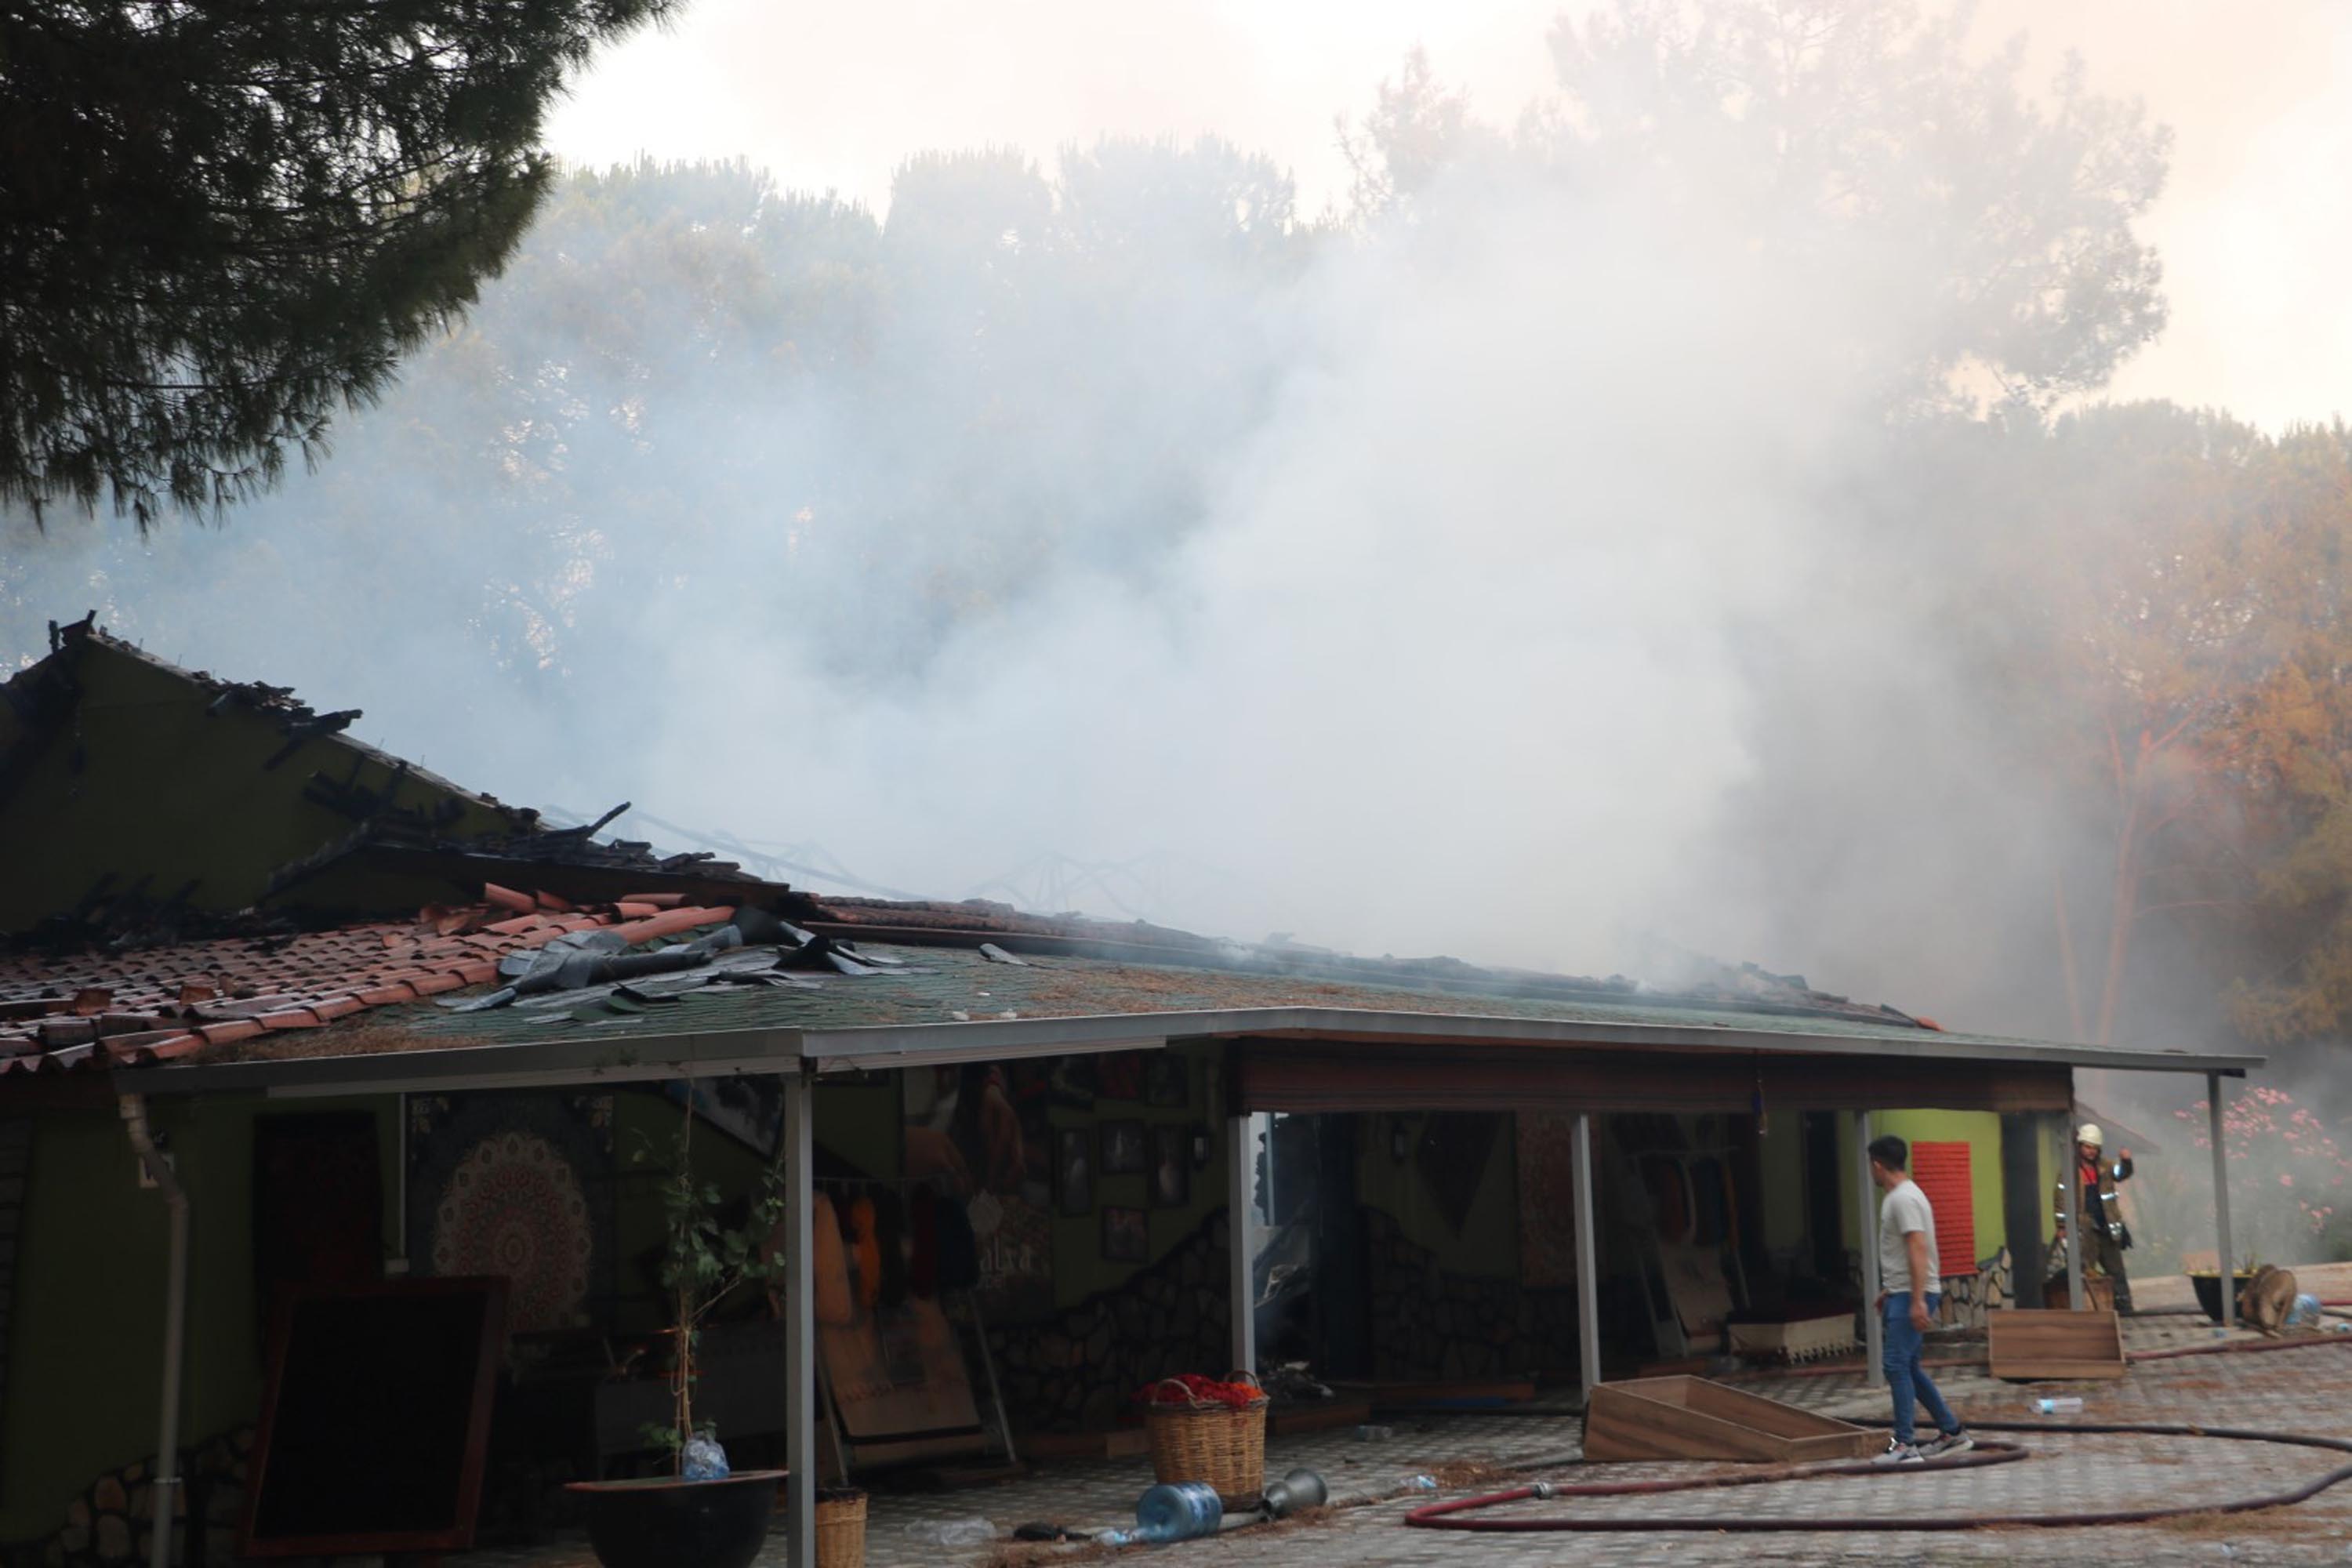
[2095, 1178]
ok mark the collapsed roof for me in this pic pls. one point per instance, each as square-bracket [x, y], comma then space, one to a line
[210, 872]
[144, 802]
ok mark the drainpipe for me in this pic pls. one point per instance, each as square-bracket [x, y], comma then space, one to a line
[158, 1173]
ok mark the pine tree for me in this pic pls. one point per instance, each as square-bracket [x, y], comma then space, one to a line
[226, 218]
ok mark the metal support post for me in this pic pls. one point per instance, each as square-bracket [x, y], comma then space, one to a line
[2071, 1162]
[1588, 1266]
[159, 1171]
[2229, 1268]
[1866, 1194]
[1241, 1235]
[800, 1324]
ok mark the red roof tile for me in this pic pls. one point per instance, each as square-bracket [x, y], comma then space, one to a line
[108, 1009]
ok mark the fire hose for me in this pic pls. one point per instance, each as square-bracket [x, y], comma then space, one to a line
[1448, 1515]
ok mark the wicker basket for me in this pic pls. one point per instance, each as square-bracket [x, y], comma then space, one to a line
[841, 1530]
[1213, 1443]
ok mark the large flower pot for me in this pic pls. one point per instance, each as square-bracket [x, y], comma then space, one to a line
[2209, 1291]
[664, 1522]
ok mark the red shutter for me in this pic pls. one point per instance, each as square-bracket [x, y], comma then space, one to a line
[1942, 1172]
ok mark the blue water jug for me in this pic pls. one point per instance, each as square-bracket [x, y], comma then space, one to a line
[1177, 1513]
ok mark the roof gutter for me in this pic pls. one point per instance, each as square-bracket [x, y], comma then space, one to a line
[728, 1053]
[536, 1064]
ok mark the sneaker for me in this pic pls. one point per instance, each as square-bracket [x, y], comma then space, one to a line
[1947, 1443]
[1900, 1454]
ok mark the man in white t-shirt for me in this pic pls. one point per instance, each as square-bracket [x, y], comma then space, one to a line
[1909, 1288]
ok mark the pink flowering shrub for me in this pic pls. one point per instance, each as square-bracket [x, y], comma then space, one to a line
[2289, 1185]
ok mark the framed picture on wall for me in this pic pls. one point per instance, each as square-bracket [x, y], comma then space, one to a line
[1119, 1074]
[1125, 1236]
[1074, 1170]
[1167, 1080]
[1123, 1150]
[1171, 1166]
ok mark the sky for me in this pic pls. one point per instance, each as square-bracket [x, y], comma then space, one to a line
[833, 96]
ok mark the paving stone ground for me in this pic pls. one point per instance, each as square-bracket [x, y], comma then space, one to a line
[2305, 1390]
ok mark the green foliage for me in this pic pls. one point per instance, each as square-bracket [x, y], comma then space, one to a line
[225, 221]
[704, 1263]
[2163, 589]
[1831, 124]
[1993, 231]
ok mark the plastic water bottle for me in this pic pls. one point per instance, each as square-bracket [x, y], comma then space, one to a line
[1369, 1434]
[1417, 1483]
[2057, 1407]
[704, 1460]
[1178, 1512]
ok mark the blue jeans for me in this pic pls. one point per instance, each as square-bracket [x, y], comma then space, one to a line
[1907, 1380]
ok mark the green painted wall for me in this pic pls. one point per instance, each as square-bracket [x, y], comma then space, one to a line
[1980, 1130]
[146, 780]
[1780, 1161]
[1488, 1245]
[85, 1342]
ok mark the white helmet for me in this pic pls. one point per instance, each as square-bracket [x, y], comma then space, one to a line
[2090, 1133]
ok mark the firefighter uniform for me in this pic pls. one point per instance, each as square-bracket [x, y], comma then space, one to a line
[2103, 1219]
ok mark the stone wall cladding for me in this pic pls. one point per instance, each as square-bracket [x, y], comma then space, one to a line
[16, 1173]
[1430, 1324]
[112, 1524]
[1076, 1370]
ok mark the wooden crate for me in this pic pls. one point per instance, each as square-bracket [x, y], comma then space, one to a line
[2026, 1345]
[1692, 1418]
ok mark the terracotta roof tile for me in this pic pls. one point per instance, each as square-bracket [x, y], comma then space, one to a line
[673, 921]
[160, 1003]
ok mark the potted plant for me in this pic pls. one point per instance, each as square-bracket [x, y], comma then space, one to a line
[699, 1515]
[2207, 1283]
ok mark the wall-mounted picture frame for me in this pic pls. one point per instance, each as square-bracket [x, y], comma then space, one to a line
[1074, 1170]
[1119, 1074]
[1168, 1081]
[1125, 1236]
[1124, 1152]
[1171, 1166]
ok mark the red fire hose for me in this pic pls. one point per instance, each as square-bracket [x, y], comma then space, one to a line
[1448, 1515]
